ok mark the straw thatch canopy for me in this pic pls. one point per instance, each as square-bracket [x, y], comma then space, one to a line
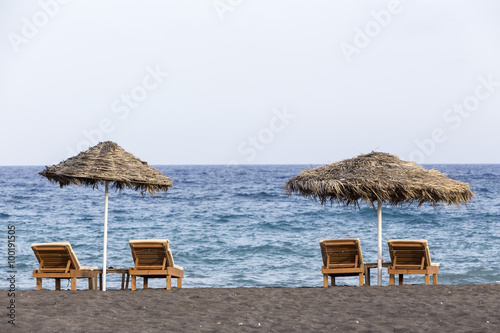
[108, 162]
[378, 177]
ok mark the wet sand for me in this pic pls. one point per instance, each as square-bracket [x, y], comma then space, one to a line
[408, 308]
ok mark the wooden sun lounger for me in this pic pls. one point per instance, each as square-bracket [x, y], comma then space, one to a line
[411, 256]
[341, 257]
[58, 261]
[153, 259]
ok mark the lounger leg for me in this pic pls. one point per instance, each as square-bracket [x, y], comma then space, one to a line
[361, 279]
[133, 283]
[400, 279]
[145, 283]
[391, 279]
[427, 279]
[126, 283]
[38, 283]
[73, 283]
[123, 280]
[91, 283]
[333, 279]
[179, 283]
[434, 279]
[325, 281]
[58, 284]
[169, 282]
[100, 281]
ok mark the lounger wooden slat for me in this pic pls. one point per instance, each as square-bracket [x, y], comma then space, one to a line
[153, 259]
[58, 261]
[341, 257]
[411, 256]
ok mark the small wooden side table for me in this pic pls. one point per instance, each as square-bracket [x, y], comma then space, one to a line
[122, 271]
[371, 265]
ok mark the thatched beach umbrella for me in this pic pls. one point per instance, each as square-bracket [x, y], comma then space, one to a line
[107, 163]
[379, 177]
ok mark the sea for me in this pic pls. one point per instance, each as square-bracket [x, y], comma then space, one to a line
[234, 226]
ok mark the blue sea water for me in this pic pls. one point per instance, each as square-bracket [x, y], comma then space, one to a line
[233, 226]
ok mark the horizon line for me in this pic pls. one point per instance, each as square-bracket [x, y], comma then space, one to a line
[255, 164]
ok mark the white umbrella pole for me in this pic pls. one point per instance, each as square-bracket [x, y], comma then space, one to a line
[379, 260]
[105, 254]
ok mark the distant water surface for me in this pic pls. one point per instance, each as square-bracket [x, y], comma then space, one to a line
[233, 226]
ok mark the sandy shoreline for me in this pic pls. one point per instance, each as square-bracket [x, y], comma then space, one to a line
[409, 308]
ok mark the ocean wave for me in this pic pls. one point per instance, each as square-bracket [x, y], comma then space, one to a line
[258, 195]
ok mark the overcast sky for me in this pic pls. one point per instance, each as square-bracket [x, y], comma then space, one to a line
[250, 82]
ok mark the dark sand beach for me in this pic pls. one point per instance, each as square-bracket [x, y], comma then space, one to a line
[408, 308]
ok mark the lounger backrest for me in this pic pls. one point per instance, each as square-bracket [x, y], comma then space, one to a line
[339, 253]
[409, 253]
[55, 257]
[151, 253]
